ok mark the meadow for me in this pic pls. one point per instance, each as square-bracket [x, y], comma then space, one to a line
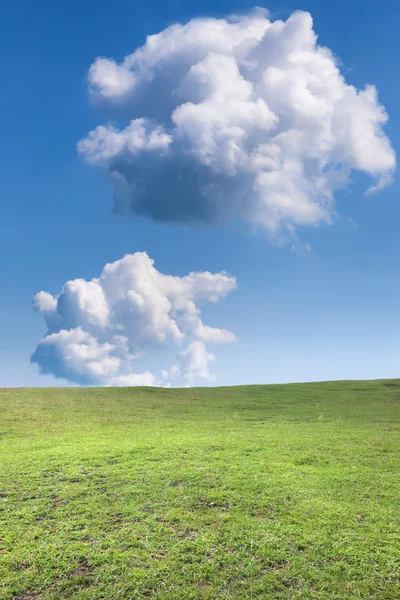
[272, 492]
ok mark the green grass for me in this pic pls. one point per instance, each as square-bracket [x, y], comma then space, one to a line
[284, 491]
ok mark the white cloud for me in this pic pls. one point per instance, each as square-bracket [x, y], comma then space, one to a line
[100, 330]
[106, 143]
[236, 118]
[113, 80]
[75, 355]
[194, 362]
[146, 378]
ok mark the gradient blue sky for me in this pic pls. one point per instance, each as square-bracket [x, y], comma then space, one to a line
[332, 313]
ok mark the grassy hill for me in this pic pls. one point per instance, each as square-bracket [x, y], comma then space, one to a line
[283, 491]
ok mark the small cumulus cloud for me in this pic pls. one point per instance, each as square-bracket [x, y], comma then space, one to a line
[238, 118]
[98, 331]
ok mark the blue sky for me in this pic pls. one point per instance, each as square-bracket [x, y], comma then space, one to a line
[328, 313]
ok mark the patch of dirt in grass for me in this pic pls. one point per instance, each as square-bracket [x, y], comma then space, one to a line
[117, 519]
[203, 586]
[273, 566]
[175, 483]
[265, 512]
[293, 583]
[219, 505]
[84, 568]
[189, 535]
[213, 504]
[83, 572]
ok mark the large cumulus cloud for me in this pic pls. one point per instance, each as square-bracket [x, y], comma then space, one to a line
[98, 331]
[238, 118]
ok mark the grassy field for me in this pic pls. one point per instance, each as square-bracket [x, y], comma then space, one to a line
[249, 492]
